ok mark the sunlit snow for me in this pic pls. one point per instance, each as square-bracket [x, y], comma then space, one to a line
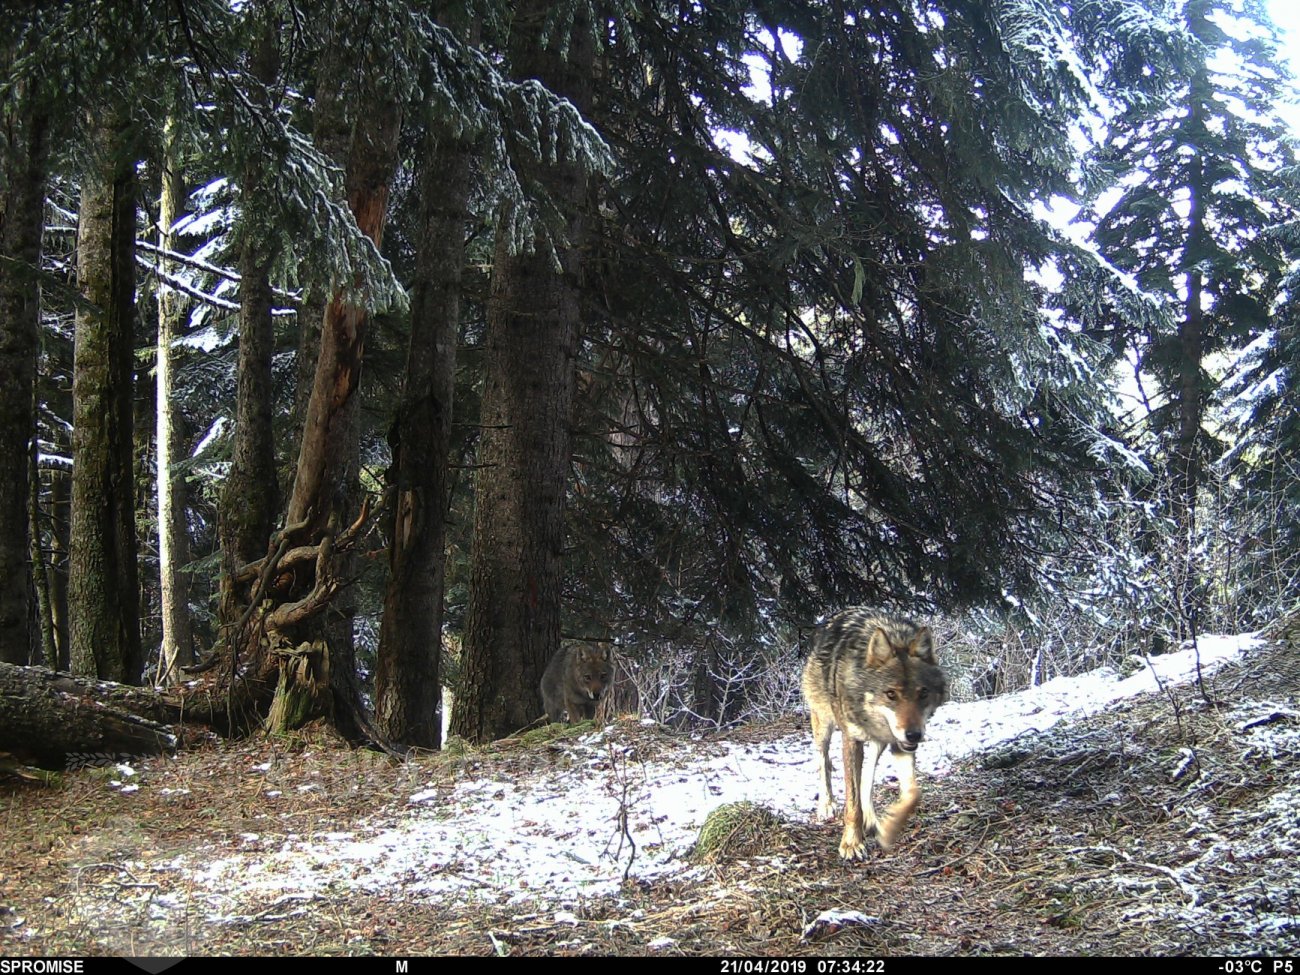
[555, 836]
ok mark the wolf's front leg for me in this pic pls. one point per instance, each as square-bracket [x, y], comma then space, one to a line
[908, 796]
[853, 844]
[822, 726]
[868, 779]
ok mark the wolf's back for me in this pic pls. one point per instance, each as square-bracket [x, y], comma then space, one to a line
[840, 645]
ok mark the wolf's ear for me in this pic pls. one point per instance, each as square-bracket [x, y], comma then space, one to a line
[879, 650]
[922, 645]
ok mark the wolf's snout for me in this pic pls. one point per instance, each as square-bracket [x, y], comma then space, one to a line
[914, 737]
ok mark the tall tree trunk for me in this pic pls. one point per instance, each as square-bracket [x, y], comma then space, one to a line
[46, 639]
[23, 156]
[332, 132]
[513, 622]
[1186, 574]
[286, 638]
[173, 535]
[104, 592]
[1191, 329]
[320, 508]
[250, 499]
[332, 135]
[1187, 436]
[56, 567]
[408, 691]
[144, 423]
[1189, 394]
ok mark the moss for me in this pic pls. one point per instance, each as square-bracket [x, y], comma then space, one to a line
[738, 829]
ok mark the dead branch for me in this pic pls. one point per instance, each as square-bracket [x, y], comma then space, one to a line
[285, 558]
[322, 591]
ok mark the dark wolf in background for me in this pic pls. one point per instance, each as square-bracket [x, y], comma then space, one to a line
[574, 681]
[876, 678]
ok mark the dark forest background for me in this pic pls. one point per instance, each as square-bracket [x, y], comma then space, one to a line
[348, 351]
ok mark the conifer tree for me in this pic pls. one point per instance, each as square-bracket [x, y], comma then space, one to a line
[408, 690]
[103, 563]
[24, 163]
[825, 374]
[173, 535]
[512, 626]
[1199, 173]
[1199, 176]
[1266, 421]
[250, 497]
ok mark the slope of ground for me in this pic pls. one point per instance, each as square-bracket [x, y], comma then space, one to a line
[1169, 822]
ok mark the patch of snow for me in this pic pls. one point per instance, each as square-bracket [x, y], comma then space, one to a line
[568, 834]
[829, 922]
[1239, 875]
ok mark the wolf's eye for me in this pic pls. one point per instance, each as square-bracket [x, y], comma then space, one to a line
[891, 694]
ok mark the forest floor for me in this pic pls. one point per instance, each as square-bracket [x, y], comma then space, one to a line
[1168, 823]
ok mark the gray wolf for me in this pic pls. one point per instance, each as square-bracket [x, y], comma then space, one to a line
[875, 678]
[574, 681]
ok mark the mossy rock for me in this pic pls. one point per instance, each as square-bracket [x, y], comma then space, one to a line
[740, 829]
[1004, 758]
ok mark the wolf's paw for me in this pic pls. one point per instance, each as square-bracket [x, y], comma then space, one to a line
[825, 809]
[853, 845]
[887, 833]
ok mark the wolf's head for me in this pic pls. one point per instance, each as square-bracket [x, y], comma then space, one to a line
[590, 670]
[908, 684]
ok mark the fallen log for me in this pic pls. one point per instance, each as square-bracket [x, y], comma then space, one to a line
[57, 721]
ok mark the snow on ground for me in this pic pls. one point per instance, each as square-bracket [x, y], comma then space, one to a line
[556, 837]
[1240, 872]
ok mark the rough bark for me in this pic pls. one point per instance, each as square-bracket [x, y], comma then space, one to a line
[49, 507]
[317, 670]
[23, 155]
[325, 444]
[103, 584]
[285, 589]
[250, 499]
[173, 536]
[56, 567]
[513, 622]
[144, 424]
[48, 654]
[407, 688]
[333, 133]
